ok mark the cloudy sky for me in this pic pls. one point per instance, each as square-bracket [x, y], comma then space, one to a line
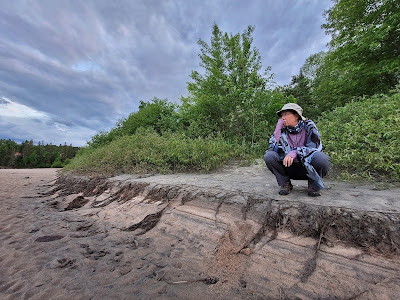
[69, 69]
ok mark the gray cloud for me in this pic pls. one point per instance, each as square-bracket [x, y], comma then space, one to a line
[3, 101]
[86, 64]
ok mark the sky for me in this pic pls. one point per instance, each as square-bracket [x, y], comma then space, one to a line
[70, 69]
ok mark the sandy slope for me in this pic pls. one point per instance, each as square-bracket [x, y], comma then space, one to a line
[153, 243]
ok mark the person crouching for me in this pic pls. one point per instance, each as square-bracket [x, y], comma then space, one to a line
[295, 152]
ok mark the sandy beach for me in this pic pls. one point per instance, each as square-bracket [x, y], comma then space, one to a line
[144, 240]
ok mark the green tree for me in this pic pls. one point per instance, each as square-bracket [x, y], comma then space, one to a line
[364, 50]
[267, 106]
[27, 150]
[158, 114]
[300, 89]
[224, 99]
[57, 163]
[8, 148]
[33, 160]
[312, 65]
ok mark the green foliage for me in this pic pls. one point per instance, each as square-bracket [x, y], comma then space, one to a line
[158, 114]
[57, 163]
[8, 148]
[28, 155]
[312, 64]
[363, 58]
[33, 159]
[364, 51]
[302, 86]
[102, 138]
[147, 151]
[362, 138]
[227, 98]
[300, 89]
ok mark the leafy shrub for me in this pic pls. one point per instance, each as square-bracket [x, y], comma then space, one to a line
[147, 151]
[158, 114]
[57, 163]
[363, 137]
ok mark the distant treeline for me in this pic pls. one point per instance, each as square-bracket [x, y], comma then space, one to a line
[28, 155]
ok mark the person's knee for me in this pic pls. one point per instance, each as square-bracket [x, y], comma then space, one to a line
[270, 157]
[321, 162]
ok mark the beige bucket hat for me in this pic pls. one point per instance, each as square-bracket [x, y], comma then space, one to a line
[292, 106]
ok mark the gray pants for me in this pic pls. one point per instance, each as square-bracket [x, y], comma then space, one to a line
[320, 161]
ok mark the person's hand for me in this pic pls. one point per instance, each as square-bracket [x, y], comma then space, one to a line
[278, 128]
[279, 124]
[287, 161]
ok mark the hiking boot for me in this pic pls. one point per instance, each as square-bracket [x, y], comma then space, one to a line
[285, 190]
[312, 192]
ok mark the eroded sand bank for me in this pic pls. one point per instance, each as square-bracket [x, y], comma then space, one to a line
[179, 237]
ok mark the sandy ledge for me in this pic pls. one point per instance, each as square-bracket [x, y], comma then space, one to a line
[194, 236]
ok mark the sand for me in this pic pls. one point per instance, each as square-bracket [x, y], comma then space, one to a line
[125, 242]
